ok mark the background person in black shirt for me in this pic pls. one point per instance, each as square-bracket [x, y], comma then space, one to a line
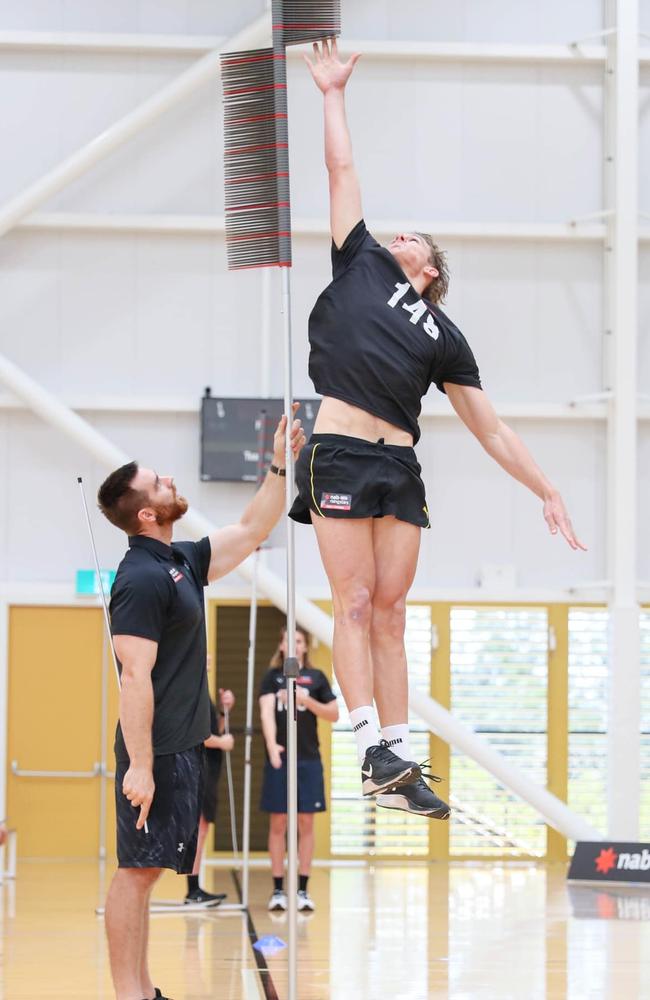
[217, 743]
[314, 700]
[158, 626]
[378, 340]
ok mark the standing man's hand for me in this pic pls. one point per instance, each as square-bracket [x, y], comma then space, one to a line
[139, 787]
[274, 751]
[328, 71]
[556, 516]
[279, 438]
[227, 699]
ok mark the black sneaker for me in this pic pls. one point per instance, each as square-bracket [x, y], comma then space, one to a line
[159, 995]
[199, 897]
[416, 798]
[382, 769]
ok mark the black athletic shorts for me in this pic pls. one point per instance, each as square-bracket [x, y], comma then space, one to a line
[340, 476]
[311, 787]
[211, 774]
[173, 818]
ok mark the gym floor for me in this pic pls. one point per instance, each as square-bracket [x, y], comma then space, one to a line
[470, 931]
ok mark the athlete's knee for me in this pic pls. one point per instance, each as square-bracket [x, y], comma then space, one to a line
[354, 606]
[278, 823]
[140, 879]
[305, 823]
[388, 615]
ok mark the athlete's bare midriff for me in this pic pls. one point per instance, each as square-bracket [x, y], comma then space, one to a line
[337, 417]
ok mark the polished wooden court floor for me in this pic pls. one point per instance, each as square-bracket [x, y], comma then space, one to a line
[463, 931]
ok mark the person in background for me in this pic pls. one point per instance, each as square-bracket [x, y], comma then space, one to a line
[216, 744]
[314, 700]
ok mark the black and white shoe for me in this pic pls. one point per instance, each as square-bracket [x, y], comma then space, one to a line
[382, 769]
[278, 901]
[416, 798]
[199, 897]
[305, 902]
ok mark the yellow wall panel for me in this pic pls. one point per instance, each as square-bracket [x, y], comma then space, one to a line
[55, 663]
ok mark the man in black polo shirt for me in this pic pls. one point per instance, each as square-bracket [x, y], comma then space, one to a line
[158, 626]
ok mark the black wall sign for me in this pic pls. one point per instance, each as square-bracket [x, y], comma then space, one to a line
[610, 861]
[237, 435]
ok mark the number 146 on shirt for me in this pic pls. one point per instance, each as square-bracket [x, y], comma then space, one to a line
[417, 310]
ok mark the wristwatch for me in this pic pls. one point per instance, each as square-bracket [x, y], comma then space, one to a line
[277, 471]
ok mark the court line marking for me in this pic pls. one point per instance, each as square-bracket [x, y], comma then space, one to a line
[268, 986]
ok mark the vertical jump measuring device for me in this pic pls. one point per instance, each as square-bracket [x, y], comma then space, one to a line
[258, 234]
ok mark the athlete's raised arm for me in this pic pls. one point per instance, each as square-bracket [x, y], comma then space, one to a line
[331, 76]
[505, 447]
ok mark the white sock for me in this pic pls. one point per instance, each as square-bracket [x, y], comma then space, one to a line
[398, 740]
[365, 729]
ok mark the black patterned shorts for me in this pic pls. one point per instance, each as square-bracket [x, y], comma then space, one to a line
[346, 477]
[173, 818]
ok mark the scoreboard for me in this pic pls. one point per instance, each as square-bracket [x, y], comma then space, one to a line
[237, 435]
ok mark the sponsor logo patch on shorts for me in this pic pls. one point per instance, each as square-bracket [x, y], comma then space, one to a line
[336, 501]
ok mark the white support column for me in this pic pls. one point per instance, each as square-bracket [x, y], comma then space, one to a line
[622, 108]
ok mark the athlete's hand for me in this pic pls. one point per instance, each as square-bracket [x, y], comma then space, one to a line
[226, 742]
[275, 755]
[227, 699]
[557, 518]
[139, 787]
[328, 71]
[279, 439]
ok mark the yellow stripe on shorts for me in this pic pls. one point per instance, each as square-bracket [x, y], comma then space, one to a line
[311, 477]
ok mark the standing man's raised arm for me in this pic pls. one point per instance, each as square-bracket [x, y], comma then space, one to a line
[331, 76]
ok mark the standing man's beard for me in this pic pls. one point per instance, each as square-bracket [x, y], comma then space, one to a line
[167, 513]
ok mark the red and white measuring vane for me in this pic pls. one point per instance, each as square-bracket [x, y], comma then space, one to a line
[258, 234]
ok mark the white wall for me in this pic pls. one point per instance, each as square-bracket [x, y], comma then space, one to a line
[123, 314]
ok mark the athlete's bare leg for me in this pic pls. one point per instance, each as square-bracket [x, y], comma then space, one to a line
[126, 907]
[277, 843]
[347, 552]
[203, 832]
[305, 842]
[396, 548]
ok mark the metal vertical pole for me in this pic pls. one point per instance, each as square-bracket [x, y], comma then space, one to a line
[291, 667]
[102, 750]
[622, 104]
[248, 739]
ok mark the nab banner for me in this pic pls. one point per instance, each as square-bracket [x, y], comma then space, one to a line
[609, 861]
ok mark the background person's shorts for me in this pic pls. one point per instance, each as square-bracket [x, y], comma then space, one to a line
[173, 819]
[311, 787]
[347, 477]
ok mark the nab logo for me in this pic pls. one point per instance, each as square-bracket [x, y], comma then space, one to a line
[624, 861]
[606, 860]
[176, 574]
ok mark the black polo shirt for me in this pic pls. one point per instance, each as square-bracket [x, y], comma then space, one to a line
[158, 595]
[316, 684]
[376, 343]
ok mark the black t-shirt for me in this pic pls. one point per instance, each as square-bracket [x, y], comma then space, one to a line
[317, 685]
[376, 343]
[158, 595]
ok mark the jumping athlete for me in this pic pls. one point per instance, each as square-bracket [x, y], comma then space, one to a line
[378, 340]
[158, 627]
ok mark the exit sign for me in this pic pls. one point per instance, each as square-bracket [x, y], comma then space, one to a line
[88, 584]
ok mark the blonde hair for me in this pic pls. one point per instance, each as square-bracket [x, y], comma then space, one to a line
[436, 291]
[277, 660]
